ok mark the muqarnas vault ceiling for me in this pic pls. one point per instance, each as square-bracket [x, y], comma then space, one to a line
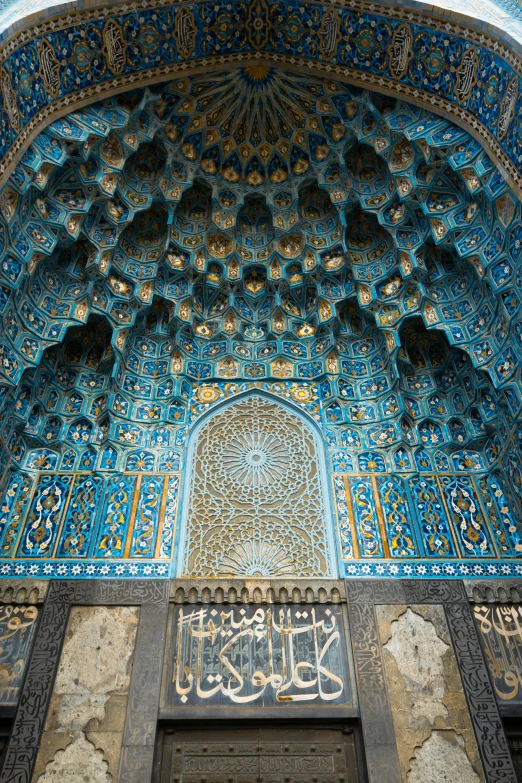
[353, 254]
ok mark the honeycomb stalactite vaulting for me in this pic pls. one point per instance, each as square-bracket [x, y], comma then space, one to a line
[351, 254]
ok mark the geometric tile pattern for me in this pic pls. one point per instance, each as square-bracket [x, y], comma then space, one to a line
[256, 501]
[352, 254]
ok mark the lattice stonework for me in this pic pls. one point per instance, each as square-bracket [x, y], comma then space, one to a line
[257, 505]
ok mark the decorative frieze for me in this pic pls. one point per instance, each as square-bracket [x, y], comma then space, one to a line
[333, 46]
[257, 591]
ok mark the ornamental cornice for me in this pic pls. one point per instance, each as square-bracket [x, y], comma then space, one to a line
[257, 591]
[23, 591]
[494, 591]
[63, 20]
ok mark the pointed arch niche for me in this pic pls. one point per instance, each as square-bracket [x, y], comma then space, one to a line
[256, 499]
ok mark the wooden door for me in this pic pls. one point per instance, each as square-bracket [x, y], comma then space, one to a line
[260, 755]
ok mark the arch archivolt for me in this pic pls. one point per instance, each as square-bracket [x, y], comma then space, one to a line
[318, 245]
[444, 66]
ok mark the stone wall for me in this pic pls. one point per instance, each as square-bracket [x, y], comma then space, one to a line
[434, 735]
[84, 728]
[425, 702]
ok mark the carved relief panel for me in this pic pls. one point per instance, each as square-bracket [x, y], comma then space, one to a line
[257, 504]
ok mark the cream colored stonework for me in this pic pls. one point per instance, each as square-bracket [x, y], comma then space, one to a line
[80, 762]
[418, 653]
[441, 759]
[435, 738]
[84, 728]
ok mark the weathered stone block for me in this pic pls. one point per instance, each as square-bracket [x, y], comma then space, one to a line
[84, 728]
[80, 762]
[441, 759]
[435, 738]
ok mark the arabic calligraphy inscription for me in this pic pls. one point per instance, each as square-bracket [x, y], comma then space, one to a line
[222, 655]
[499, 629]
[329, 33]
[185, 31]
[17, 626]
[400, 50]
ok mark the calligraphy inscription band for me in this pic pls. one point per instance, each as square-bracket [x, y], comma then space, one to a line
[269, 30]
[115, 593]
[405, 591]
[483, 710]
[36, 693]
[500, 632]
[247, 655]
[377, 720]
[142, 711]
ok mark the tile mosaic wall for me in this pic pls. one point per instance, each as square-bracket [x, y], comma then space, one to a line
[350, 254]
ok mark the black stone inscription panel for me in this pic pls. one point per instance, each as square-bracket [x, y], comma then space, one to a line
[257, 656]
[136, 764]
[499, 628]
[376, 714]
[405, 591]
[17, 627]
[142, 712]
[111, 592]
[491, 740]
[34, 700]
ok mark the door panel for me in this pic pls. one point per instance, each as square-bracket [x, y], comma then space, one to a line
[285, 755]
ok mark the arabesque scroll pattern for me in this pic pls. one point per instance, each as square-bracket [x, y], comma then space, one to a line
[257, 504]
